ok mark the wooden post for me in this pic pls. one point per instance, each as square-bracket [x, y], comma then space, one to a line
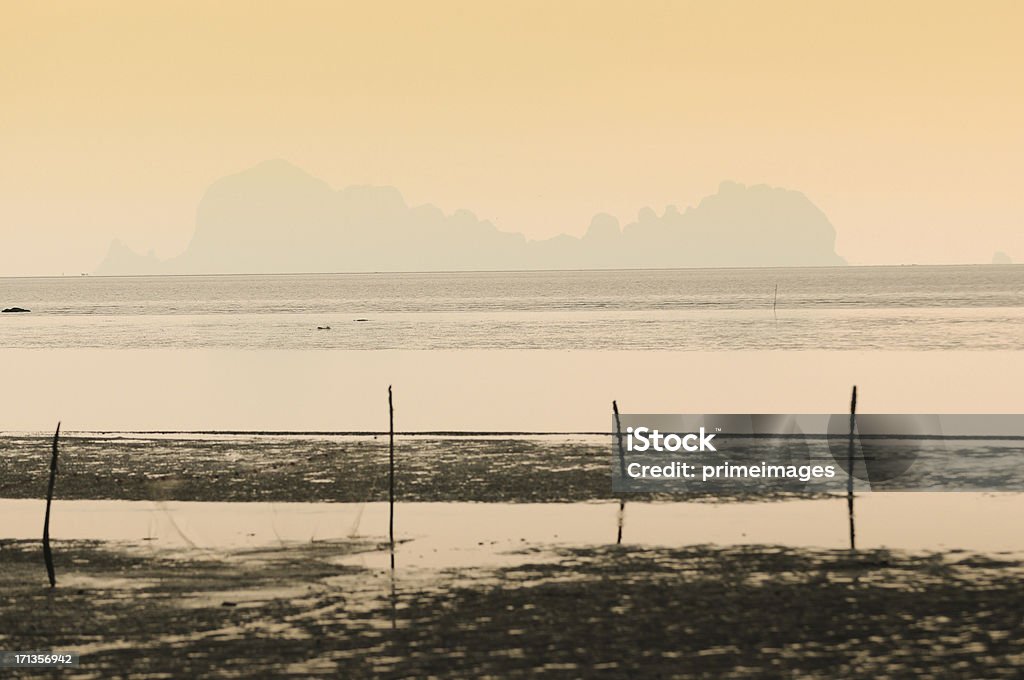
[622, 469]
[391, 475]
[622, 519]
[849, 464]
[47, 554]
[618, 436]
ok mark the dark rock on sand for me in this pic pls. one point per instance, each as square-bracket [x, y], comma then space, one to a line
[17, 309]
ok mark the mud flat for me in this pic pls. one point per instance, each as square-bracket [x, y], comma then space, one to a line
[305, 611]
[340, 468]
[172, 584]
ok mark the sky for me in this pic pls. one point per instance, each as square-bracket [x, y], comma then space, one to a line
[901, 121]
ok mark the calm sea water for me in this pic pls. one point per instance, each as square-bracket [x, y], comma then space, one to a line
[915, 308]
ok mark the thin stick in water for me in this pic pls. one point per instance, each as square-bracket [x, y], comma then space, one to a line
[849, 464]
[391, 475]
[775, 300]
[618, 436]
[622, 519]
[622, 469]
[47, 554]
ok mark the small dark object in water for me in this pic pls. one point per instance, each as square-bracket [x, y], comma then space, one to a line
[323, 328]
[361, 319]
[225, 603]
[17, 309]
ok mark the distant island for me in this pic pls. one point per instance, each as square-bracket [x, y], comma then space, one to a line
[277, 218]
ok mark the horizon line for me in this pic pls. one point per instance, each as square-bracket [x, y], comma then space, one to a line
[502, 271]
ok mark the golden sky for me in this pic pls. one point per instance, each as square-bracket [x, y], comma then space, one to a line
[901, 120]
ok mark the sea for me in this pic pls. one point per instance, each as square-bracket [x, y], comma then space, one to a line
[919, 308]
[512, 352]
[508, 351]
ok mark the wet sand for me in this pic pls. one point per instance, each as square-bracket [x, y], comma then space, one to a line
[302, 611]
[172, 585]
[349, 468]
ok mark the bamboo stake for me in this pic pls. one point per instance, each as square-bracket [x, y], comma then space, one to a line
[47, 554]
[849, 464]
[622, 519]
[391, 475]
[618, 435]
[622, 469]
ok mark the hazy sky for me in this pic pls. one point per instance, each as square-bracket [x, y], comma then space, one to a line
[900, 120]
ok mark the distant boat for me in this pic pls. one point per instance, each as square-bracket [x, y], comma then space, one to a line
[16, 309]
[323, 328]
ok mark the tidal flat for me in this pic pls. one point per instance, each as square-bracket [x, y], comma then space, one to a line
[265, 555]
[318, 468]
[613, 611]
